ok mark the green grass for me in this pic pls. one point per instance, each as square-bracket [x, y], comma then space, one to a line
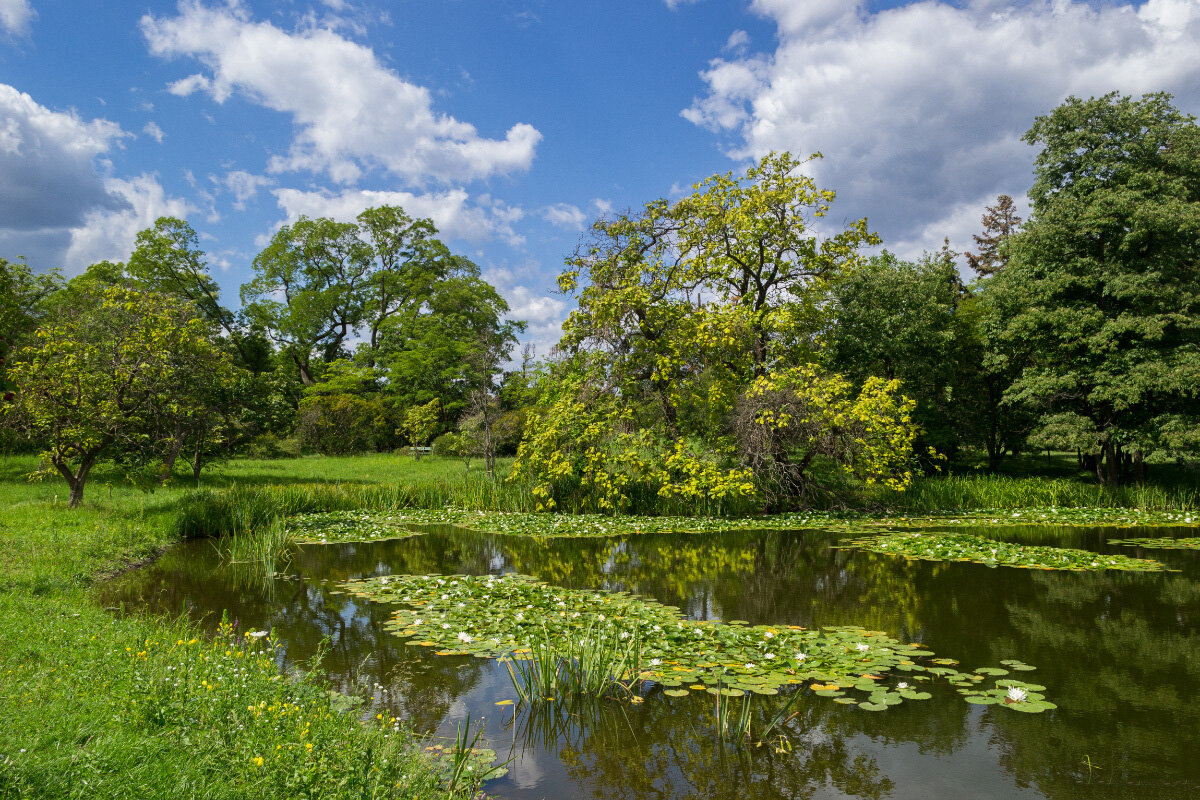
[97, 704]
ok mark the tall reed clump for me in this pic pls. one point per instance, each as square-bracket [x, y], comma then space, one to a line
[241, 509]
[596, 664]
[955, 493]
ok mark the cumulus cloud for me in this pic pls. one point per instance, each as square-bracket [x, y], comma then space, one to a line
[352, 114]
[565, 215]
[452, 211]
[48, 168]
[919, 109]
[542, 311]
[15, 16]
[243, 186]
[110, 234]
[152, 130]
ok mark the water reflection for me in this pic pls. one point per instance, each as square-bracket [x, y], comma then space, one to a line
[1118, 651]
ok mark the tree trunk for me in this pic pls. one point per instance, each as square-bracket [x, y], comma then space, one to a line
[77, 478]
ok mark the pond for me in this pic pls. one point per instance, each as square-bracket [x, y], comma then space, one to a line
[1119, 653]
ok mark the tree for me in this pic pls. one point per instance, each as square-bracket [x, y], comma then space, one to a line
[92, 379]
[1000, 222]
[902, 320]
[319, 281]
[451, 347]
[308, 290]
[22, 299]
[1103, 283]
[682, 307]
[421, 423]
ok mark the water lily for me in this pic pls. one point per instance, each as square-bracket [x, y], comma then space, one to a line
[464, 637]
[1016, 695]
[751, 665]
[654, 662]
[801, 656]
[901, 685]
[863, 647]
[769, 656]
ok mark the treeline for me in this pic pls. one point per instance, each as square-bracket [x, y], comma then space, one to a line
[731, 350]
[369, 335]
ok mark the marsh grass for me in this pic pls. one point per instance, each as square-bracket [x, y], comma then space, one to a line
[596, 663]
[960, 493]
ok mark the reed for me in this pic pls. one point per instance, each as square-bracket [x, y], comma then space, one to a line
[597, 664]
[957, 492]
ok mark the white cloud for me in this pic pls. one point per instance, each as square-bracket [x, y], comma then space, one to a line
[603, 207]
[152, 130]
[109, 234]
[565, 215]
[542, 311]
[15, 16]
[455, 216]
[674, 4]
[919, 109]
[48, 171]
[737, 41]
[351, 112]
[243, 185]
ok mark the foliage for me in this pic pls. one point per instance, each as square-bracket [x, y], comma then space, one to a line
[581, 446]
[932, 546]
[94, 381]
[680, 308]
[491, 616]
[903, 320]
[420, 423]
[787, 419]
[1102, 285]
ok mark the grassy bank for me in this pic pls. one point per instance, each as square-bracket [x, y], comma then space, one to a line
[97, 704]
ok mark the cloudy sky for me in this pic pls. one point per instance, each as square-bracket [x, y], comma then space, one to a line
[515, 123]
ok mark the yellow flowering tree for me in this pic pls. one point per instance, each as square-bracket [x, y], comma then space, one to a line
[682, 308]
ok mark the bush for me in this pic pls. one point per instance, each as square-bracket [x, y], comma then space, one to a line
[342, 424]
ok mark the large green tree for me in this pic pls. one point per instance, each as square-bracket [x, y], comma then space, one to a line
[95, 381]
[1103, 282]
[320, 282]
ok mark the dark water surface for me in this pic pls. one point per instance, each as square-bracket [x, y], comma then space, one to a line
[1118, 652]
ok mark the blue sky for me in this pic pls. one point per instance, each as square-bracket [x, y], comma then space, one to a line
[515, 123]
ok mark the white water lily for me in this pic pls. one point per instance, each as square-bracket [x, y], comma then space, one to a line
[768, 634]
[769, 656]
[418, 621]
[464, 637]
[751, 665]
[654, 662]
[863, 647]
[901, 685]
[801, 656]
[1016, 694]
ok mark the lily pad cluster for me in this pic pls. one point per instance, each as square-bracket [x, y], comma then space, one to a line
[358, 526]
[347, 526]
[980, 550]
[1192, 543]
[499, 616]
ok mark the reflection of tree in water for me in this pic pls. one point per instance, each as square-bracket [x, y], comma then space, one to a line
[669, 748]
[1120, 651]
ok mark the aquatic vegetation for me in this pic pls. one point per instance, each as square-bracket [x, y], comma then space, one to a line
[367, 525]
[1192, 543]
[1017, 695]
[934, 546]
[649, 644]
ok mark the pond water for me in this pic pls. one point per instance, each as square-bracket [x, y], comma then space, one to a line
[1118, 652]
